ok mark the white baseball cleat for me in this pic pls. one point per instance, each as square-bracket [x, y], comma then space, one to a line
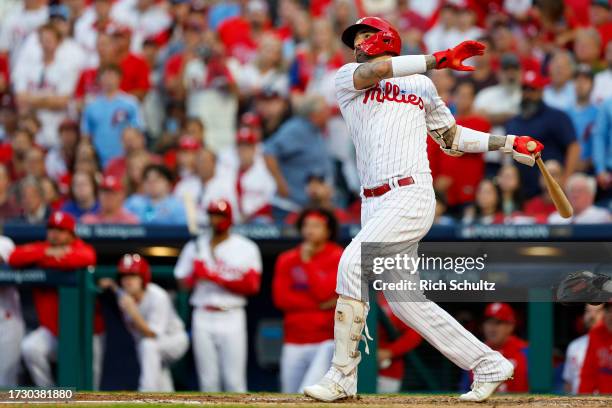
[480, 391]
[326, 390]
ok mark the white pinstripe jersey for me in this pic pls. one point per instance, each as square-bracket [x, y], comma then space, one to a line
[389, 124]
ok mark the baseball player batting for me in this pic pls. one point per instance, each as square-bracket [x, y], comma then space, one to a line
[389, 108]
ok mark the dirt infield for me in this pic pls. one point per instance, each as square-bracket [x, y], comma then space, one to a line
[124, 399]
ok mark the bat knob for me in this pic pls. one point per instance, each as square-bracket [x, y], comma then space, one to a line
[531, 146]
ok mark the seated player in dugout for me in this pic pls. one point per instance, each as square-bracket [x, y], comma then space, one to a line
[498, 330]
[63, 251]
[149, 315]
[303, 288]
[222, 268]
[389, 109]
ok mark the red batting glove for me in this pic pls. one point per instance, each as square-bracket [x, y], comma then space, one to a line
[453, 57]
[521, 153]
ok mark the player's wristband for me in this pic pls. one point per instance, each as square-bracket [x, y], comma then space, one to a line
[405, 65]
[509, 145]
[471, 141]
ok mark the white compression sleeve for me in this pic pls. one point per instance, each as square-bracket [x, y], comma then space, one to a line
[470, 140]
[405, 65]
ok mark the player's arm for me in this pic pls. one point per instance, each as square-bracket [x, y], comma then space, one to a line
[456, 140]
[370, 73]
[128, 305]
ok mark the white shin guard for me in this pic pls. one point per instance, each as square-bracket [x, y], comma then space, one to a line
[350, 321]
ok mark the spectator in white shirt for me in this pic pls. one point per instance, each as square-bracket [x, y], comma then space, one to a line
[436, 38]
[255, 186]
[501, 102]
[207, 185]
[581, 190]
[46, 87]
[602, 87]
[18, 24]
[68, 50]
[561, 93]
[146, 18]
[266, 71]
[86, 28]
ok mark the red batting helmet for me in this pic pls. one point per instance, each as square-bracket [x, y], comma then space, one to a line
[134, 264]
[386, 39]
[224, 208]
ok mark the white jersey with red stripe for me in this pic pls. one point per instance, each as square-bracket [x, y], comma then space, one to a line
[230, 260]
[389, 123]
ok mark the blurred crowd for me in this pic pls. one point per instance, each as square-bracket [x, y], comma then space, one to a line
[142, 111]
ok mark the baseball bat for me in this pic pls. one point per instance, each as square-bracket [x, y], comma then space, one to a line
[192, 214]
[554, 190]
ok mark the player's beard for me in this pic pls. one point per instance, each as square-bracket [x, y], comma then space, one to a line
[361, 56]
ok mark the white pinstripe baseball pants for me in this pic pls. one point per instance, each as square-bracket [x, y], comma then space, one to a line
[406, 214]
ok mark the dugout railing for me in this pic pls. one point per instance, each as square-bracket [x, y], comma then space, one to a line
[77, 289]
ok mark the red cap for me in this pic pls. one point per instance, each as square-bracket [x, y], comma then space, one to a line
[250, 119]
[111, 183]
[246, 135]
[134, 264]
[500, 311]
[533, 79]
[62, 220]
[189, 143]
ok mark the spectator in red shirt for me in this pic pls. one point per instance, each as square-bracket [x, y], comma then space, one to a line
[596, 374]
[114, 48]
[395, 340]
[135, 70]
[303, 288]
[111, 211]
[241, 34]
[541, 206]
[498, 332]
[63, 251]
[600, 16]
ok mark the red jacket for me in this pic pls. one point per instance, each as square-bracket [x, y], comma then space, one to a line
[45, 299]
[515, 350]
[407, 341]
[298, 289]
[596, 374]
